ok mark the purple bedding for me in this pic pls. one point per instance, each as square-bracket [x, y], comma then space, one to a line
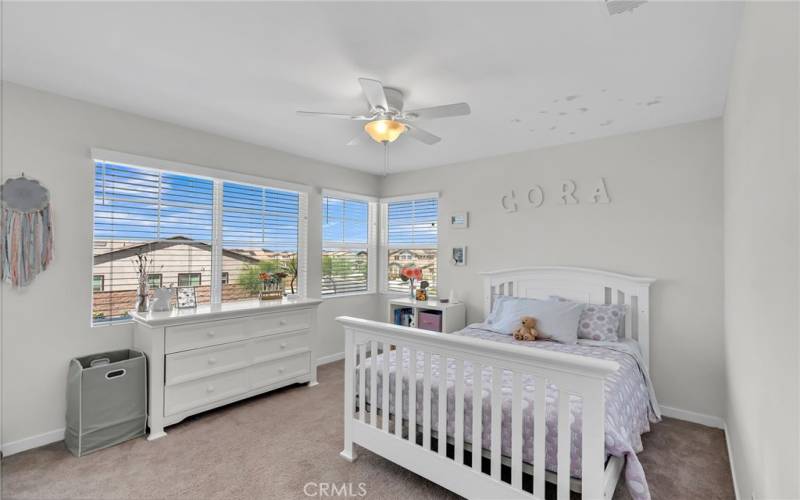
[630, 402]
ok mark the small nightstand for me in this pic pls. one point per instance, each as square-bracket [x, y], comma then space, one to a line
[452, 317]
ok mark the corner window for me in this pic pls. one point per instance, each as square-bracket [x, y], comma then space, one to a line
[348, 244]
[98, 282]
[411, 238]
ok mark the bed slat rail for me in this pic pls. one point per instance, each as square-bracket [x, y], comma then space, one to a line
[486, 469]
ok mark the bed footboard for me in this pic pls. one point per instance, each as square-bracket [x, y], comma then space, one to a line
[370, 426]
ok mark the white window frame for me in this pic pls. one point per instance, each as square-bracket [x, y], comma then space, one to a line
[218, 176]
[384, 242]
[372, 241]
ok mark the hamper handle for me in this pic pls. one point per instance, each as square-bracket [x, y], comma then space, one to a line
[115, 373]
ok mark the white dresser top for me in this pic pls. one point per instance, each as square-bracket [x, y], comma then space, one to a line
[209, 312]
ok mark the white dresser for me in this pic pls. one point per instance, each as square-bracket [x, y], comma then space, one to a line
[202, 358]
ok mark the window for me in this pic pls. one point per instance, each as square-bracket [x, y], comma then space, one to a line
[154, 280]
[185, 230]
[411, 239]
[347, 236]
[189, 279]
[260, 233]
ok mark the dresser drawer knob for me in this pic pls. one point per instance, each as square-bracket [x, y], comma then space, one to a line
[210, 388]
[283, 345]
[210, 333]
[280, 370]
[283, 322]
[211, 361]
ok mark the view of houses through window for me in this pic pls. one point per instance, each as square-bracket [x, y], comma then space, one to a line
[412, 239]
[345, 245]
[163, 222]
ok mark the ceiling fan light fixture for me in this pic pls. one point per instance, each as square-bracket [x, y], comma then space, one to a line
[384, 130]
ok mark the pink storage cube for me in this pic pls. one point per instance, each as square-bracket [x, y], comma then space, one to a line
[430, 321]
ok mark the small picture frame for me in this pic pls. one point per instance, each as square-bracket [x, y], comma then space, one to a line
[459, 256]
[459, 220]
[187, 297]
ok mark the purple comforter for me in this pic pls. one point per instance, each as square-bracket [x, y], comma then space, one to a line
[630, 403]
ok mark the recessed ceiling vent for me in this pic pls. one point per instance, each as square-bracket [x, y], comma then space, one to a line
[619, 6]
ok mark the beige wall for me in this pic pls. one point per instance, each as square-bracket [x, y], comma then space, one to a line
[664, 221]
[762, 253]
[49, 138]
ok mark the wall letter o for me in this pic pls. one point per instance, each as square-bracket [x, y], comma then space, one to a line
[536, 196]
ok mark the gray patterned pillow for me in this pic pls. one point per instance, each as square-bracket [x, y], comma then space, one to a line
[599, 322]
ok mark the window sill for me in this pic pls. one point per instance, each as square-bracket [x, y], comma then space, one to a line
[345, 295]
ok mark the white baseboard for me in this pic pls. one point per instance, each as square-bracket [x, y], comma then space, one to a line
[730, 461]
[690, 416]
[32, 442]
[324, 360]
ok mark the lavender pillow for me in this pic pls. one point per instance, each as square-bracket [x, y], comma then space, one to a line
[599, 322]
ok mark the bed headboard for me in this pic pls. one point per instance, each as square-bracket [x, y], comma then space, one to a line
[591, 286]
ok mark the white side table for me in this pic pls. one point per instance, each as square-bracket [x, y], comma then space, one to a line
[454, 315]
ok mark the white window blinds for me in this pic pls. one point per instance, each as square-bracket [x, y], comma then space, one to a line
[190, 230]
[346, 252]
[152, 219]
[412, 239]
[260, 234]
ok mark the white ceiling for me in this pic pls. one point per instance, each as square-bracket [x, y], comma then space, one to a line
[536, 74]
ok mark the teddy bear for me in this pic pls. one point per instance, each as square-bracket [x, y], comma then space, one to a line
[527, 330]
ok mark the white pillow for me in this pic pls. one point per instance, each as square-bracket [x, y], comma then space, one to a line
[554, 320]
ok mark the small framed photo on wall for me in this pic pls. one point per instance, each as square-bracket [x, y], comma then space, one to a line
[187, 297]
[459, 256]
[459, 220]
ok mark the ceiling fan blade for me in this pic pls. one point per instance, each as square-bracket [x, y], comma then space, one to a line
[373, 91]
[444, 111]
[334, 115]
[422, 135]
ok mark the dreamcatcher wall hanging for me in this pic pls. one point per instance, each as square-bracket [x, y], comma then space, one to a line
[26, 245]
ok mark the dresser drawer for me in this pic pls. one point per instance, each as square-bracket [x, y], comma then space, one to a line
[271, 372]
[191, 365]
[270, 324]
[274, 346]
[194, 336]
[197, 393]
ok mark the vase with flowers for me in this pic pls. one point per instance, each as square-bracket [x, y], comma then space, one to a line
[410, 275]
[271, 285]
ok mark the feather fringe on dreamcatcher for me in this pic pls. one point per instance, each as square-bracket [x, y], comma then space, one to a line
[26, 231]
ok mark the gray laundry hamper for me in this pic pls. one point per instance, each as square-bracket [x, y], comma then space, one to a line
[106, 400]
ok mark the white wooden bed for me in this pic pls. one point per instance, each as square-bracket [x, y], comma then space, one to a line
[575, 375]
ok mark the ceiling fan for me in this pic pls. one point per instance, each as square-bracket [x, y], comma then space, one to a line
[386, 119]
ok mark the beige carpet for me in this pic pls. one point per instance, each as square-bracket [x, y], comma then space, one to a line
[272, 446]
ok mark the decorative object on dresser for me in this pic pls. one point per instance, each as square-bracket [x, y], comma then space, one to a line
[141, 263]
[414, 439]
[162, 297]
[428, 315]
[26, 230]
[221, 353]
[271, 285]
[187, 297]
